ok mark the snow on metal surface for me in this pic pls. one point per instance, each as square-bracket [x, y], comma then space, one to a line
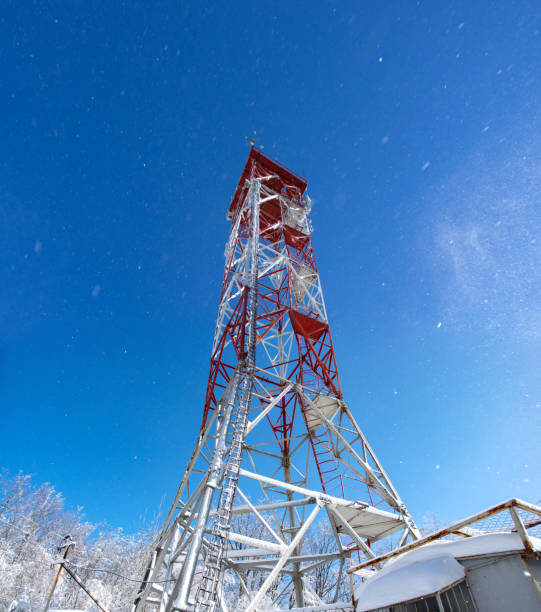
[409, 582]
[431, 568]
[370, 522]
[485, 544]
[328, 406]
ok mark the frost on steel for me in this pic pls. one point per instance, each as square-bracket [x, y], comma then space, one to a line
[279, 453]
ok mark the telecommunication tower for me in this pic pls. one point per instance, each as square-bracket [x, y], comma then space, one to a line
[279, 459]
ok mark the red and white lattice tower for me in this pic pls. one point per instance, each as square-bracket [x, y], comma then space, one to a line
[282, 489]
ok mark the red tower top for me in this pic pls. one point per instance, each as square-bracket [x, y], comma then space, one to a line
[285, 180]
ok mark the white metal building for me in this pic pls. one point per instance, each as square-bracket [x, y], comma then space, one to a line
[461, 568]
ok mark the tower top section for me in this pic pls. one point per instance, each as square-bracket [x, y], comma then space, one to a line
[284, 181]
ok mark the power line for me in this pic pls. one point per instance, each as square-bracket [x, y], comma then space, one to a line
[95, 569]
[85, 567]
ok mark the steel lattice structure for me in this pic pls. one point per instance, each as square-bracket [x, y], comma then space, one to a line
[279, 450]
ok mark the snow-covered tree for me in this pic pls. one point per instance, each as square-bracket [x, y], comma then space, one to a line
[33, 523]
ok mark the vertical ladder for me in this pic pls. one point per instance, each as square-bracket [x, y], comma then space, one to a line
[207, 592]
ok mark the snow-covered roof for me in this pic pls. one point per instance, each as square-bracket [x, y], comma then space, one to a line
[486, 544]
[430, 568]
[408, 582]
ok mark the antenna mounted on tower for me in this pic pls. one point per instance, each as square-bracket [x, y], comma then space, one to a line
[252, 140]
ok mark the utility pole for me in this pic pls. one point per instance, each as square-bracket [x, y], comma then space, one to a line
[65, 546]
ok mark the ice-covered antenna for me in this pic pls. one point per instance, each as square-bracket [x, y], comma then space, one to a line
[251, 141]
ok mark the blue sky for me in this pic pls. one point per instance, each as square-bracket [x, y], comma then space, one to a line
[122, 137]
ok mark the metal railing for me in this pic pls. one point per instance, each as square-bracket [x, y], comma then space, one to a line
[511, 516]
